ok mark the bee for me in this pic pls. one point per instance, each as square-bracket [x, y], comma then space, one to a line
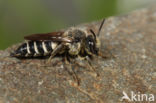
[73, 42]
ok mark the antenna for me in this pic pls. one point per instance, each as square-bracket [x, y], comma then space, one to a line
[93, 33]
[100, 27]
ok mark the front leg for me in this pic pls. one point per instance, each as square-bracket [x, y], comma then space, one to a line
[105, 55]
[90, 65]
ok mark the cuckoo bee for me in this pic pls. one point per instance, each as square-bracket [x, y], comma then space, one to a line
[74, 41]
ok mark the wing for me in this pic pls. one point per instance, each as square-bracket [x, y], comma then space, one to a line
[54, 36]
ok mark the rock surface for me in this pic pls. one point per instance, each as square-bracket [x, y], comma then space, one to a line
[130, 38]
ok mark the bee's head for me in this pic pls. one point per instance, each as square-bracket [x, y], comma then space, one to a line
[92, 42]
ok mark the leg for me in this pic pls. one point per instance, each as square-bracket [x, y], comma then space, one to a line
[70, 68]
[75, 75]
[77, 63]
[90, 65]
[56, 50]
[105, 56]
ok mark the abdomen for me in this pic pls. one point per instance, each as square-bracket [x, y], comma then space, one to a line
[35, 49]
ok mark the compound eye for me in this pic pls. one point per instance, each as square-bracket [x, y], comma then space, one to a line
[91, 43]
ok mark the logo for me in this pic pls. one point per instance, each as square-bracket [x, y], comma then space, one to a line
[137, 97]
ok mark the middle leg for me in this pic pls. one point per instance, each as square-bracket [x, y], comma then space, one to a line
[69, 66]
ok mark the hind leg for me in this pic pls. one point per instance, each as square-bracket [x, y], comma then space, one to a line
[57, 50]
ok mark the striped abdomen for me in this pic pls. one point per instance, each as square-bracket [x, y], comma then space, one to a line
[35, 49]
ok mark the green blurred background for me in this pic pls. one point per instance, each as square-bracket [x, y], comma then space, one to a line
[23, 17]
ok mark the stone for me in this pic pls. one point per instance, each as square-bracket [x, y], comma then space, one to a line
[130, 38]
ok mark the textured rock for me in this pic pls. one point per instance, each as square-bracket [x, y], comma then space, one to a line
[130, 38]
